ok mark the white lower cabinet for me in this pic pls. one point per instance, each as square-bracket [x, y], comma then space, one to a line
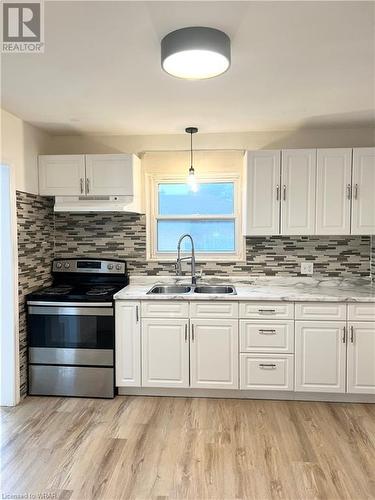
[320, 354]
[214, 354]
[267, 371]
[361, 358]
[128, 344]
[165, 353]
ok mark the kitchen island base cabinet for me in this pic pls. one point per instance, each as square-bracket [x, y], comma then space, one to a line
[128, 344]
[361, 358]
[320, 355]
[165, 353]
[214, 354]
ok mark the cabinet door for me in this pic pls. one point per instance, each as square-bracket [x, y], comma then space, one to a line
[320, 355]
[165, 353]
[298, 180]
[363, 203]
[333, 200]
[62, 175]
[361, 358]
[262, 198]
[128, 344]
[109, 175]
[214, 353]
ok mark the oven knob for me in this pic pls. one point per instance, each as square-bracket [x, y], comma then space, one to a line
[110, 266]
[67, 265]
[58, 265]
[118, 267]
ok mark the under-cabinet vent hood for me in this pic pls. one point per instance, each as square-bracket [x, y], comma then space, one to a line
[96, 204]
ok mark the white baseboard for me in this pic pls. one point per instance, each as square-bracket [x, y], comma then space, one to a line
[242, 394]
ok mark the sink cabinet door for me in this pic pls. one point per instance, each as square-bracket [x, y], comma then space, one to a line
[165, 353]
[214, 353]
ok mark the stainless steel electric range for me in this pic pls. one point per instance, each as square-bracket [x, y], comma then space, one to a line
[71, 329]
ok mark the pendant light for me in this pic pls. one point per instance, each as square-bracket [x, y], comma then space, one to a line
[195, 53]
[192, 180]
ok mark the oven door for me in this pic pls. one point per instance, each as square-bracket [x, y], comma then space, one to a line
[71, 327]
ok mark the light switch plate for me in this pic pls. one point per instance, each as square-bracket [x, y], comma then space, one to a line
[307, 267]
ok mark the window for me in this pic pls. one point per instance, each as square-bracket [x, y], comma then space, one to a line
[210, 215]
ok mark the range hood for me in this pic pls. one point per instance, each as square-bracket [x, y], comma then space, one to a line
[126, 204]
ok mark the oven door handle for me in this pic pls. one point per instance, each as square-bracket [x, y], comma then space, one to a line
[70, 311]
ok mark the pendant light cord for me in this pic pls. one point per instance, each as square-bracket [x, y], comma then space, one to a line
[191, 150]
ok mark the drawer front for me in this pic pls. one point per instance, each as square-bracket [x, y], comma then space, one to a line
[266, 336]
[164, 309]
[361, 312]
[214, 310]
[267, 372]
[270, 310]
[321, 311]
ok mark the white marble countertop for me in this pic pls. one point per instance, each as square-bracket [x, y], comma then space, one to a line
[259, 289]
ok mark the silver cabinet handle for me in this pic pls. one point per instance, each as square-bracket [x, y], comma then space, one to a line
[81, 184]
[267, 311]
[277, 192]
[266, 331]
[352, 334]
[344, 335]
[267, 365]
[137, 313]
[192, 332]
[356, 191]
[349, 191]
[185, 332]
[87, 186]
[284, 192]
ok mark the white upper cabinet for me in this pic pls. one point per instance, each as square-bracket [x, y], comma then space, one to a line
[109, 175]
[334, 177]
[298, 179]
[62, 175]
[363, 210]
[262, 193]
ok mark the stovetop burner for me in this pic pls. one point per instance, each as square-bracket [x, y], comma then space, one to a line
[57, 290]
[101, 290]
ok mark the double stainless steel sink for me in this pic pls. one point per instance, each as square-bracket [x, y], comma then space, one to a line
[191, 289]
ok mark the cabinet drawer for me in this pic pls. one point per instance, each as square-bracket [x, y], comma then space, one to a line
[271, 310]
[361, 312]
[214, 310]
[164, 309]
[267, 372]
[321, 311]
[266, 336]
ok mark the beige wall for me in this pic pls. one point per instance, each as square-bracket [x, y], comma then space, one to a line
[20, 145]
[302, 138]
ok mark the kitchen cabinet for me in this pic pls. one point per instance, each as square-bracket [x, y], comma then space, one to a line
[320, 356]
[298, 178]
[165, 352]
[89, 175]
[262, 194]
[214, 353]
[333, 203]
[363, 200]
[361, 358]
[128, 343]
[62, 175]
[267, 372]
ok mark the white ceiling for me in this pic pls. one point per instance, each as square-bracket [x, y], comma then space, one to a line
[294, 64]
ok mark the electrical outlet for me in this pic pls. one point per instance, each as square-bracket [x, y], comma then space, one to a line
[307, 267]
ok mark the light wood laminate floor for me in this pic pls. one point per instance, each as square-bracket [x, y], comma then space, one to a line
[172, 448]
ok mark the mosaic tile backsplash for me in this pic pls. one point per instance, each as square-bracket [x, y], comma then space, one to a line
[35, 253]
[124, 236]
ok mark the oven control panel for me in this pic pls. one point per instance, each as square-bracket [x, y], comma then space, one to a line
[89, 266]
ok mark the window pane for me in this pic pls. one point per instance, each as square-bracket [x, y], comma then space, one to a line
[212, 198]
[209, 236]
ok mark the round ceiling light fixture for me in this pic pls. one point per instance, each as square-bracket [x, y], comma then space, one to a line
[195, 53]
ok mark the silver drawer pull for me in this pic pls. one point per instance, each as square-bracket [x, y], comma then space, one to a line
[264, 331]
[267, 365]
[269, 311]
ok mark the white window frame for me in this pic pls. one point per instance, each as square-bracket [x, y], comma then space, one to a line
[152, 217]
